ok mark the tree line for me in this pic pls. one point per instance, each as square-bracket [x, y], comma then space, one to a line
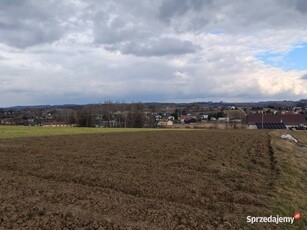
[115, 115]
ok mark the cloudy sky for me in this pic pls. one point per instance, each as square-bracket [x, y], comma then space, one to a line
[88, 51]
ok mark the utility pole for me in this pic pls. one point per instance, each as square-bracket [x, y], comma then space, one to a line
[262, 121]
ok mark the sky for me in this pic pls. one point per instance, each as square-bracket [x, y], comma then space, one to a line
[90, 51]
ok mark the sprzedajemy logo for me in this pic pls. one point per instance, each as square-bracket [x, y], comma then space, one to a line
[273, 219]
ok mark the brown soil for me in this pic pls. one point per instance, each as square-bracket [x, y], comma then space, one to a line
[143, 180]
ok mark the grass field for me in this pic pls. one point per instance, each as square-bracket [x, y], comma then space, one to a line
[30, 131]
[205, 179]
[290, 184]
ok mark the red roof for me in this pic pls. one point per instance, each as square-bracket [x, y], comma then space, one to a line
[287, 119]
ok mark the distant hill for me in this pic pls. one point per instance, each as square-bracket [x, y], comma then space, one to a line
[286, 103]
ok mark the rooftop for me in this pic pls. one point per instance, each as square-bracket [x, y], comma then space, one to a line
[287, 119]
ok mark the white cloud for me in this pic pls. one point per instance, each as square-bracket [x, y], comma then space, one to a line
[89, 51]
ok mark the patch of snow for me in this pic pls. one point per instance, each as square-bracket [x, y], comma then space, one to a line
[288, 137]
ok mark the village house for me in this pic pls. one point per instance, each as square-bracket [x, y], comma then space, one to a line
[223, 119]
[168, 123]
[7, 121]
[278, 121]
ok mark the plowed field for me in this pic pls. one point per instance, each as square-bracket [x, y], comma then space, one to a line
[143, 180]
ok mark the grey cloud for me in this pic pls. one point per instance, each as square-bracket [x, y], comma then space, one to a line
[304, 77]
[30, 34]
[125, 21]
[110, 30]
[185, 16]
[239, 17]
[161, 28]
[134, 32]
[170, 8]
[301, 6]
[155, 47]
[27, 23]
